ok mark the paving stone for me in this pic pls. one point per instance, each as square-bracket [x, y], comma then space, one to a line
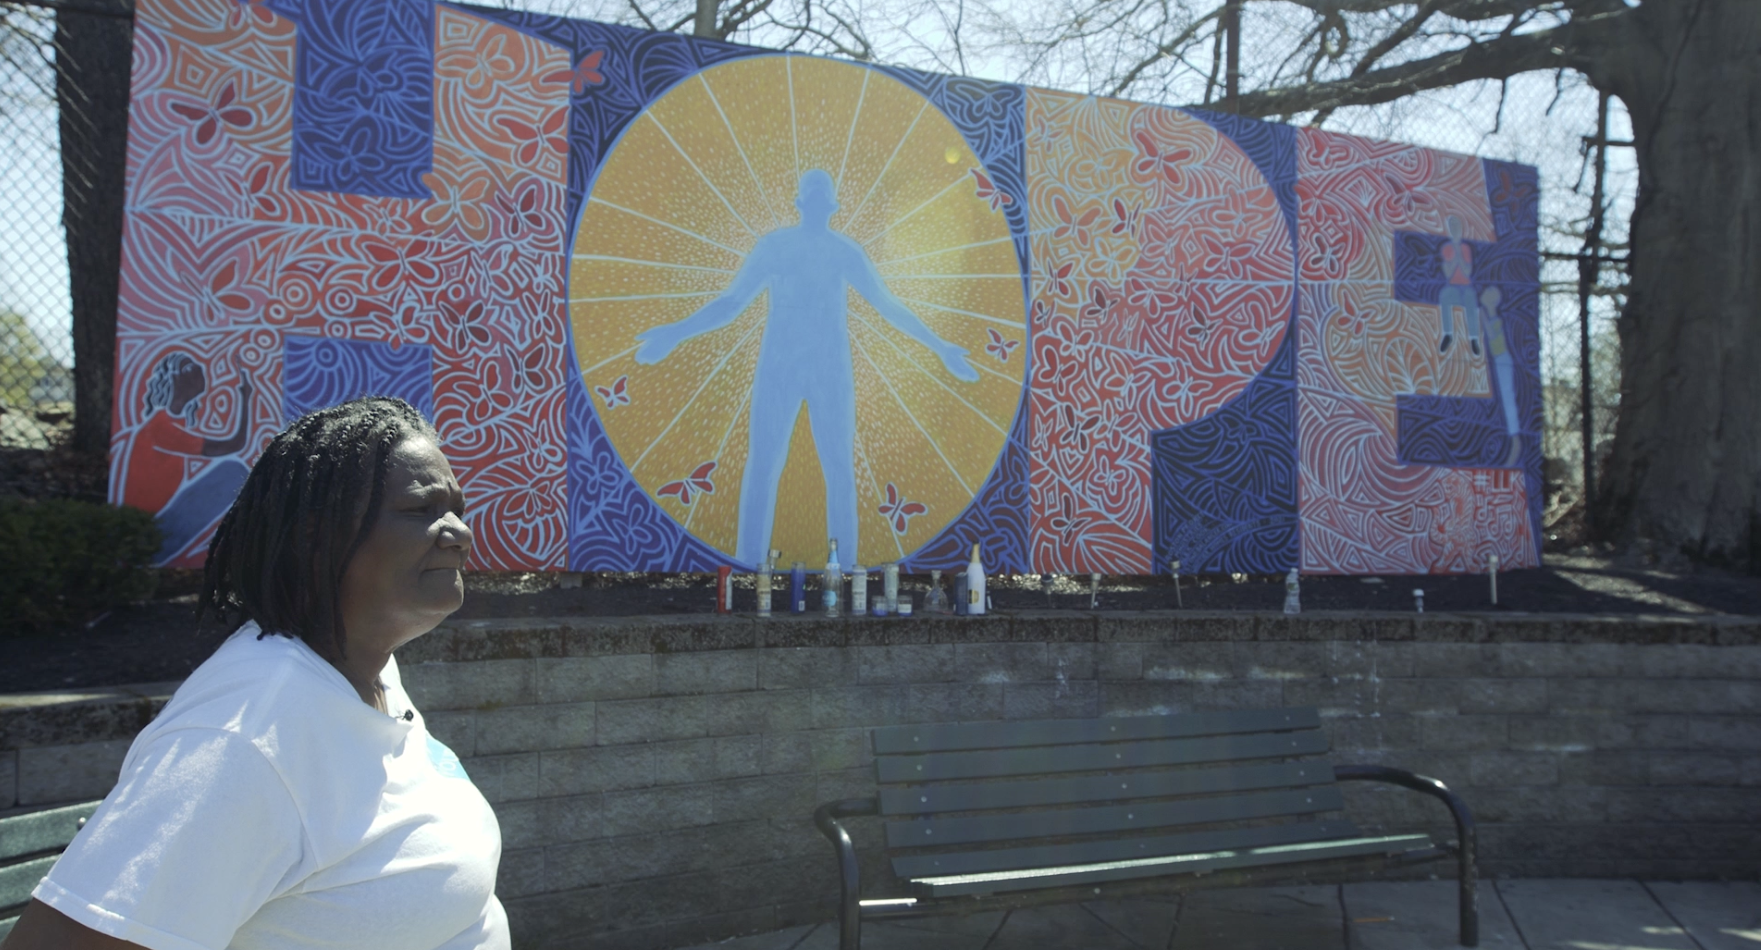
[971, 932]
[1724, 915]
[1557, 914]
[785, 939]
[1148, 923]
[1261, 918]
[1421, 915]
[1061, 925]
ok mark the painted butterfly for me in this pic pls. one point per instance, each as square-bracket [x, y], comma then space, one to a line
[686, 489]
[618, 394]
[989, 192]
[899, 511]
[1000, 347]
[586, 73]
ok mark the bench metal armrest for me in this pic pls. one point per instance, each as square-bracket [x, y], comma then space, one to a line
[1464, 830]
[849, 873]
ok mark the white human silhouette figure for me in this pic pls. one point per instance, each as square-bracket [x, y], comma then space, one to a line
[804, 356]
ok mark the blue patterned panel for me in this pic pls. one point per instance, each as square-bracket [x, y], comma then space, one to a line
[363, 111]
[613, 524]
[992, 118]
[317, 372]
[1225, 487]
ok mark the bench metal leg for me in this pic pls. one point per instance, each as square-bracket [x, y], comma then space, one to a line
[849, 872]
[1464, 831]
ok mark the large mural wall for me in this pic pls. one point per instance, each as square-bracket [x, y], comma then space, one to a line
[672, 303]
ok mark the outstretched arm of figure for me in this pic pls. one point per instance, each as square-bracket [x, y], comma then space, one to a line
[868, 283]
[658, 342]
[214, 448]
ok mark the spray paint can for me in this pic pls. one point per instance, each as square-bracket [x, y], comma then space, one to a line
[858, 590]
[890, 587]
[798, 588]
[1292, 593]
[1418, 599]
[1492, 575]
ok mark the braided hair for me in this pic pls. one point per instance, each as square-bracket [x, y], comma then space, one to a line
[279, 555]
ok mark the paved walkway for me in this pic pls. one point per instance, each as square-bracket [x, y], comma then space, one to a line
[1514, 915]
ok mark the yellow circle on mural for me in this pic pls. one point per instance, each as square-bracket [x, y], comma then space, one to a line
[777, 263]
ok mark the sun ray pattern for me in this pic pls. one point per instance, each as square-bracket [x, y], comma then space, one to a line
[905, 195]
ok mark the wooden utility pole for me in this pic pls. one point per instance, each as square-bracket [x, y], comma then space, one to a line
[1232, 69]
[1589, 274]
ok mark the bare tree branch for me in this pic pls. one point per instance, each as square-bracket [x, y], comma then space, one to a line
[1162, 52]
[1492, 59]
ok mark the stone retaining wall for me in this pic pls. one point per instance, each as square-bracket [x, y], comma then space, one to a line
[654, 777]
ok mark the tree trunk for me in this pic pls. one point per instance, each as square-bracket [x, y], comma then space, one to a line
[92, 54]
[1685, 474]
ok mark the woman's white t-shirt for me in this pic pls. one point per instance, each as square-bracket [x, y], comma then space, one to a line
[268, 808]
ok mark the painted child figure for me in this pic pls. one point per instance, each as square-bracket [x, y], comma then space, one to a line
[1458, 289]
[1504, 370]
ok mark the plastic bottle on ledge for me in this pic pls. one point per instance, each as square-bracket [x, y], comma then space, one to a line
[976, 601]
[858, 590]
[762, 583]
[832, 582]
[936, 602]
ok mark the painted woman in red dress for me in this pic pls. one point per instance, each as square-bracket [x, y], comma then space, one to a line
[159, 450]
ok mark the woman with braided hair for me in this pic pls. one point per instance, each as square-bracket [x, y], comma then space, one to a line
[289, 795]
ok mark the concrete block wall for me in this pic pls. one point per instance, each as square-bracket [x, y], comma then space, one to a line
[655, 777]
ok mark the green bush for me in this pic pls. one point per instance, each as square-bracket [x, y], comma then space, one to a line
[63, 562]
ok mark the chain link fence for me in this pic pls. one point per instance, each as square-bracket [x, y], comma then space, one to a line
[36, 331]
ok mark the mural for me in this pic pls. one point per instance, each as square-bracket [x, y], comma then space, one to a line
[672, 303]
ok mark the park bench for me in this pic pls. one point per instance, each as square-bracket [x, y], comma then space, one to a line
[29, 845]
[993, 815]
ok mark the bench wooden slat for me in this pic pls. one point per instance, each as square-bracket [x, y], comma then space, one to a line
[944, 737]
[912, 867]
[1000, 882]
[18, 880]
[41, 830]
[929, 799]
[1093, 758]
[1079, 821]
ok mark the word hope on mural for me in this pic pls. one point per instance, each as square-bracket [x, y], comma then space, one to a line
[672, 303]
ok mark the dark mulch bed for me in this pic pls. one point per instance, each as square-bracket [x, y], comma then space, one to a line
[159, 640]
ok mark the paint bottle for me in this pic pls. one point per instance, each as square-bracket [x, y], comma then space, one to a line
[936, 602]
[1292, 593]
[890, 587]
[858, 590]
[1492, 575]
[832, 581]
[798, 588]
[975, 593]
[762, 582]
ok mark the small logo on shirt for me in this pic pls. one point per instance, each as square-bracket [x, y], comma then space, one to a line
[444, 760]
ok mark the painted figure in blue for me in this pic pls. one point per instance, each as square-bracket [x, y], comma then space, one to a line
[1458, 288]
[804, 356]
[1504, 370]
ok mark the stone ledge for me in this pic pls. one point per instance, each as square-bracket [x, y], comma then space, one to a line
[601, 636]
